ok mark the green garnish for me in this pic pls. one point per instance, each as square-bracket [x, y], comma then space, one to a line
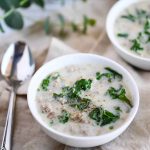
[140, 36]
[141, 13]
[136, 46]
[148, 40]
[73, 94]
[45, 83]
[103, 117]
[118, 109]
[147, 29]
[114, 73]
[147, 25]
[129, 17]
[83, 84]
[55, 95]
[80, 103]
[75, 90]
[65, 92]
[64, 117]
[119, 94]
[107, 75]
[111, 74]
[123, 35]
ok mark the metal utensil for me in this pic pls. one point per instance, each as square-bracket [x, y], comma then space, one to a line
[17, 66]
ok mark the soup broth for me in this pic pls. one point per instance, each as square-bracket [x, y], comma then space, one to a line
[84, 100]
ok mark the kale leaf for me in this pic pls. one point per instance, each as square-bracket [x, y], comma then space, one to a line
[80, 103]
[119, 94]
[114, 73]
[55, 95]
[136, 46]
[83, 84]
[129, 17]
[45, 83]
[102, 116]
[75, 90]
[147, 30]
[73, 94]
[64, 117]
[141, 13]
[123, 35]
[107, 75]
[111, 74]
[118, 109]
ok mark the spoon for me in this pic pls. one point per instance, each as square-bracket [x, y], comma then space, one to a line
[17, 66]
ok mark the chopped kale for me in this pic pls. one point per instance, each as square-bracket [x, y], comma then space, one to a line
[65, 91]
[147, 30]
[83, 84]
[147, 25]
[55, 95]
[141, 14]
[136, 46]
[64, 117]
[114, 73]
[111, 74]
[73, 94]
[123, 35]
[129, 17]
[119, 94]
[140, 36]
[102, 116]
[148, 39]
[55, 76]
[45, 83]
[80, 103]
[75, 90]
[118, 109]
[107, 75]
[98, 75]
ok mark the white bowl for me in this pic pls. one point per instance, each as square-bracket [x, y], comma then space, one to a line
[137, 61]
[79, 59]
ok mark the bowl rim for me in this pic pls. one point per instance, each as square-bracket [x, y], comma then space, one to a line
[110, 20]
[126, 123]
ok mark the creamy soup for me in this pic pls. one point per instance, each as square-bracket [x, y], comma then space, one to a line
[84, 100]
[132, 28]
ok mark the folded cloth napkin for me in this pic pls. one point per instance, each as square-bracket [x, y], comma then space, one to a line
[137, 136]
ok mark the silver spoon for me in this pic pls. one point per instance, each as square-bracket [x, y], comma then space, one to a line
[17, 66]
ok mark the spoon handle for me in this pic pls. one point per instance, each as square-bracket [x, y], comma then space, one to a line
[7, 135]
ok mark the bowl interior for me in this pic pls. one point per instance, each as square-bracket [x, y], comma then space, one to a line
[110, 22]
[78, 59]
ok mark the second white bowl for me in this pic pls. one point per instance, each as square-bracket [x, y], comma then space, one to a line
[137, 61]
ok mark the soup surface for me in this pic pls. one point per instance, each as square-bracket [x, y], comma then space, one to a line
[132, 28]
[85, 100]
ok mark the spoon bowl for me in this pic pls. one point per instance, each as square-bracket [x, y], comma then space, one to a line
[17, 63]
